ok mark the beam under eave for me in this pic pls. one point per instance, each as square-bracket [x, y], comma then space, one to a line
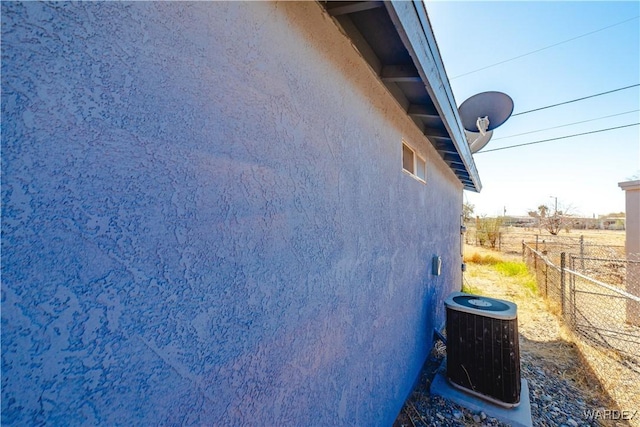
[423, 111]
[454, 158]
[401, 79]
[353, 7]
[444, 154]
[453, 163]
[445, 151]
[359, 42]
[400, 74]
[457, 166]
[436, 133]
[441, 143]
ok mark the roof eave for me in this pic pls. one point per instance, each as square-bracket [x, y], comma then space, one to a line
[414, 28]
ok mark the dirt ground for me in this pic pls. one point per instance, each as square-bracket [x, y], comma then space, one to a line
[511, 238]
[596, 237]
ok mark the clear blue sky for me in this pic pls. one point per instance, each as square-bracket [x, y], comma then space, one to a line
[582, 172]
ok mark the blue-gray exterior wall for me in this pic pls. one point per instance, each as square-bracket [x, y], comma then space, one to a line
[205, 220]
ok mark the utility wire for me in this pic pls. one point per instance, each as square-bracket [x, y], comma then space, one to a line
[544, 48]
[560, 137]
[575, 100]
[565, 125]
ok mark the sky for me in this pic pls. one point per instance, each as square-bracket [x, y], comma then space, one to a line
[583, 48]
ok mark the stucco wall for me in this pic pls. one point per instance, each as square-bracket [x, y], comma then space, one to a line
[205, 221]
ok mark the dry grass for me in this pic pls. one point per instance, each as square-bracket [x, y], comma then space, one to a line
[602, 237]
[620, 381]
[477, 258]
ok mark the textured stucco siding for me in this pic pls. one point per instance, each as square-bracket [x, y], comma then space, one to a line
[205, 220]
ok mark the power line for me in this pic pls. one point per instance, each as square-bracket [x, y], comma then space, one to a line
[565, 125]
[560, 137]
[544, 48]
[575, 100]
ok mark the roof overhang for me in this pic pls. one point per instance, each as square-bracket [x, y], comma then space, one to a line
[396, 40]
[630, 185]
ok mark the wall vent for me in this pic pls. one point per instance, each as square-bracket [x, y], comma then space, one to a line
[483, 352]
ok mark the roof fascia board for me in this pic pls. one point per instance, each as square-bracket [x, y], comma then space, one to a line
[630, 185]
[412, 23]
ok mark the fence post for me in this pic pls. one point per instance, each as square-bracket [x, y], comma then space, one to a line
[562, 278]
[499, 241]
[523, 260]
[536, 242]
[572, 293]
[582, 252]
[546, 280]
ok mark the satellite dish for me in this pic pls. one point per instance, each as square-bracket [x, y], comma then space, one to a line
[477, 141]
[485, 111]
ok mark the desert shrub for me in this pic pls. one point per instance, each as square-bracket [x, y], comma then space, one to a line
[511, 269]
[488, 231]
[518, 271]
[477, 258]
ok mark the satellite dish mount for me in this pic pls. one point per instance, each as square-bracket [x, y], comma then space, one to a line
[481, 114]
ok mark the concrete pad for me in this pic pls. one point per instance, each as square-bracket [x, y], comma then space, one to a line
[520, 416]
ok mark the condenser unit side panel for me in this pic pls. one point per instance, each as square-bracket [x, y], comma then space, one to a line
[483, 355]
[511, 362]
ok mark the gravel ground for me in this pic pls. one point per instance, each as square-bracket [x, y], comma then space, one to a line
[562, 391]
[555, 401]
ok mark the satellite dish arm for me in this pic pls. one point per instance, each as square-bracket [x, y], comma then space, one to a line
[483, 124]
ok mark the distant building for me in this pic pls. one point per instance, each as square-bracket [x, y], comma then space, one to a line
[612, 222]
[520, 221]
[603, 222]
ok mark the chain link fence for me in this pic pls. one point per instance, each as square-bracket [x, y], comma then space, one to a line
[597, 296]
[595, 287]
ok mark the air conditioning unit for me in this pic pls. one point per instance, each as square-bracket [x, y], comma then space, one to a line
[483, 352]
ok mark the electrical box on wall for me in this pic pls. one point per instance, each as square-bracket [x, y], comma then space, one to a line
[436, 265]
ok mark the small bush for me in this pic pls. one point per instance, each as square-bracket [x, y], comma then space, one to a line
[476, 258]
[488, 231]
[512, 268]
[520, 272]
